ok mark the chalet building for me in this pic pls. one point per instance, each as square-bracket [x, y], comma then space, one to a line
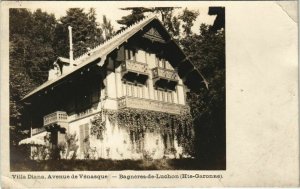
[140, 68]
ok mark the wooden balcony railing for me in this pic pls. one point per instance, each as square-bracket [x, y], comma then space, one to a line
[135, 67]
[152, 105]
[165, 74]
[55, 117]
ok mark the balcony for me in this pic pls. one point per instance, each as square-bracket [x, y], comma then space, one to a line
[134, 67]
[55, 117]
[164, 77]
[162, 73]
[148, 104]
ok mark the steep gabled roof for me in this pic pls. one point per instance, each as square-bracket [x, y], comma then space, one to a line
[102, 50]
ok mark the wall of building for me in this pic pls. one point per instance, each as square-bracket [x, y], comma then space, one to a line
[117, 88]
[116, 142]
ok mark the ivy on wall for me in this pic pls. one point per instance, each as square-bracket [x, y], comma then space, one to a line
[98, 126]
[139, 121]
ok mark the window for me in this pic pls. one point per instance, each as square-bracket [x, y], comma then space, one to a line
[168, 65]
[135, 90]
[141, 56]
[163, 95]
[169, 96]
[128, 89]
[160, 95]
[141, 89]
[130, 54]
[162, 63]
[158, 62]
[124, 89]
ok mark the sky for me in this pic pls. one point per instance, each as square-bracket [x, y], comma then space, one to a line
[114, 13]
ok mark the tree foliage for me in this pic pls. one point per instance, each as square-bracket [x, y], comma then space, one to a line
[108, 29]
[169, 20]
[207, 52]
[85, 30]
[31, 54]
[188, 17]
[137, 13]
[35, 40]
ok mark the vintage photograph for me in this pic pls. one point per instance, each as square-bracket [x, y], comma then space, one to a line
[118, 88]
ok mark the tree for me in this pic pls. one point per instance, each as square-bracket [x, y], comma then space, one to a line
[137, 13]
[30, 55]
[86, 32]
[42, 53]
[207, 52]
[188, 17]
[108, 29]
[171, 22]
[30, 52]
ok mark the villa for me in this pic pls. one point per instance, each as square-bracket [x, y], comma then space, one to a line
[124, 99]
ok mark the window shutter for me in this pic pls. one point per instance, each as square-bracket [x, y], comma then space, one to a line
[81, 137]
[86, 130]
[83, 134]
[121, 54]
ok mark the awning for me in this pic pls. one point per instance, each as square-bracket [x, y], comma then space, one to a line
[37, 140]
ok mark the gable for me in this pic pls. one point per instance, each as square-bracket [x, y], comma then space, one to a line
[153, 35]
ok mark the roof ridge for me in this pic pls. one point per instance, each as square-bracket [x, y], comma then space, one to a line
[97, 47]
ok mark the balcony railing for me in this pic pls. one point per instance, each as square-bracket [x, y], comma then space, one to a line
[36, 131]
[152, 105]
[165, 74]
[135, 67]
[55, 117]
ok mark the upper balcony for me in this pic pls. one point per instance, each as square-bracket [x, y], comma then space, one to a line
[55, 117]
[134, 67]
[148, 104]
[164, 75]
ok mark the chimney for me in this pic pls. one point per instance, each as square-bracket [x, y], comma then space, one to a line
[71, 46]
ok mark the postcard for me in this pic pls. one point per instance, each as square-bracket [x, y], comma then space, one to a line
[149, 94]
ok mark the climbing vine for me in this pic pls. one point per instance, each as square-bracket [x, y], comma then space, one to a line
[139, 121]
[98, 126]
